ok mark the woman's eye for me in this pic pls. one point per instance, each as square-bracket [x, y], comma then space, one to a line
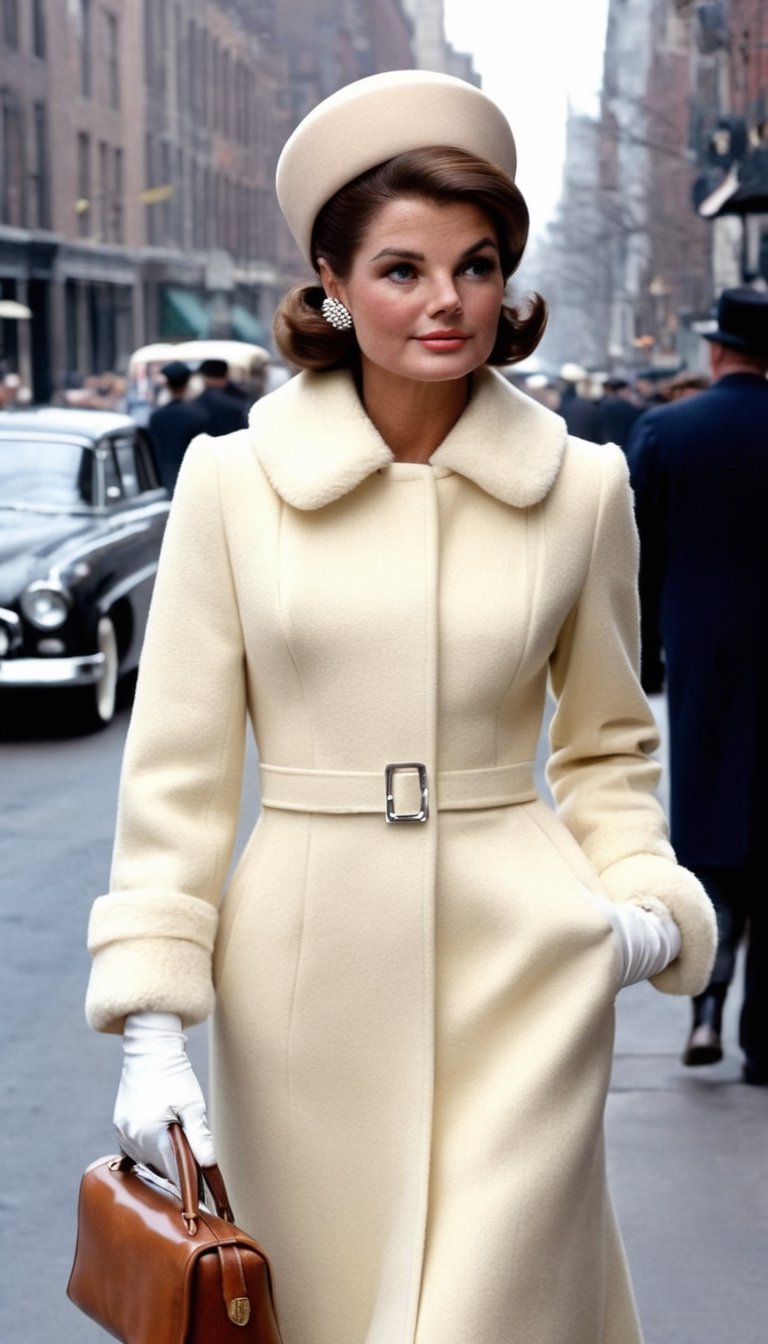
[480, 266]
[403, 271]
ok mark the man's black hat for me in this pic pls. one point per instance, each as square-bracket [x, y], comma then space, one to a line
[214, 368]
[176, 373]
[742, 321]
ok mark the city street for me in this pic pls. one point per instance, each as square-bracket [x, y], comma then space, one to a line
[687, 1149]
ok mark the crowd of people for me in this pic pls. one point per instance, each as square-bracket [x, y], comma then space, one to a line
[221, 408]
[694, 444]
[603, 407]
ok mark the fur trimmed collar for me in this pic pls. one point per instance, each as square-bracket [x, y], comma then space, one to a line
[316, 443]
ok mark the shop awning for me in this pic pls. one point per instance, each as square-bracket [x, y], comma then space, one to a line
[183, 314]
[246, 327]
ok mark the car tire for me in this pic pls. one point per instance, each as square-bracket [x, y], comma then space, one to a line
[96, 707]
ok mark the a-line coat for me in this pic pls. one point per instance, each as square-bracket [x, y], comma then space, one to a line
[413, 1027]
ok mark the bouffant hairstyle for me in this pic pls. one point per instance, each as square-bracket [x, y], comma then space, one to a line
[441, 174]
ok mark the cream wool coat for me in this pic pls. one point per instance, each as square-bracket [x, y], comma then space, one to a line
[414, 1022]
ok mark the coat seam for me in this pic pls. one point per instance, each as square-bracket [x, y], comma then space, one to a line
[285, 628]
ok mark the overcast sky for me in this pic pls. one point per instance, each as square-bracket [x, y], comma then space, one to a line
[534, 56]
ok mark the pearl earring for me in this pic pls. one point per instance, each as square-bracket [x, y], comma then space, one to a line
[336, 314]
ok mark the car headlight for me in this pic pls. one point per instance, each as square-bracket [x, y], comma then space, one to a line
[45, 604]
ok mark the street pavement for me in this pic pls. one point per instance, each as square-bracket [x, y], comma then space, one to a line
[687, 1149]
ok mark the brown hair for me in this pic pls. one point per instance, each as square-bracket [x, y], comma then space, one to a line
[440, 174]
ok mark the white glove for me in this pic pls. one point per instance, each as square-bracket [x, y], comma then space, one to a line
[648, 941]
[158, 1086]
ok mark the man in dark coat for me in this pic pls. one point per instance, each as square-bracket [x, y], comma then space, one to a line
[224, 406]
[699, 468]
[172, 427]
[616, 413]
[579, 413]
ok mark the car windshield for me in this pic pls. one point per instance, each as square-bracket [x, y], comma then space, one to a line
[35, 474]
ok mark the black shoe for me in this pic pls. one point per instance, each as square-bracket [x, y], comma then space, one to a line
[754, 1076]
[704, 1047]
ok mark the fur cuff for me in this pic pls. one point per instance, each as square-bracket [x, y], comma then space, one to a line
[151, 953]
[647, 880]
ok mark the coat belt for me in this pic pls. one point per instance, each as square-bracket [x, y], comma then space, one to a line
[361, 791]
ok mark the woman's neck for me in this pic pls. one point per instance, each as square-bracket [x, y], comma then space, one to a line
[413, 418]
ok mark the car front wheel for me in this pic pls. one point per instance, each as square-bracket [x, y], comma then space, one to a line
[96, 707]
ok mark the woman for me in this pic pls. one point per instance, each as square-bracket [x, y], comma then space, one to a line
[413, 1025]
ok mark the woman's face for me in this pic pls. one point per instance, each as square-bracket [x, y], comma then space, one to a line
[425, 289]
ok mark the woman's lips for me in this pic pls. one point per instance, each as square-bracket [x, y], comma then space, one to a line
[443, 342]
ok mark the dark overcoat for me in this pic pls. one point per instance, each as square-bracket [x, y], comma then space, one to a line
[615, 418]
[699, 469]
[171, 430]
[223, 412]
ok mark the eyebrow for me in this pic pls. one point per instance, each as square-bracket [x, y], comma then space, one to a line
[406, 255]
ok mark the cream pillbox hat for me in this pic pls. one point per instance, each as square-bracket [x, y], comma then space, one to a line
[374, 119]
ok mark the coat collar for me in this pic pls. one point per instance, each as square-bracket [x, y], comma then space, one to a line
[316, 443]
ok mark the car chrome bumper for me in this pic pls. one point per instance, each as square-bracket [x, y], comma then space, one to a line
[84, 670]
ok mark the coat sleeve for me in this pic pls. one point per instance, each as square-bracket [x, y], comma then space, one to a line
[601, 771]
[151, 937]
[650, 514]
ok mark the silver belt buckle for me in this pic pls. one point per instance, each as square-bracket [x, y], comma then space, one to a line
[389, 778]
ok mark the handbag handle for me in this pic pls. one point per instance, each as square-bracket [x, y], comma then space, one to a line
[191, 1178]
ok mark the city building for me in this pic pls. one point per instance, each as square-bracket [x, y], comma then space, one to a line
[138, 143]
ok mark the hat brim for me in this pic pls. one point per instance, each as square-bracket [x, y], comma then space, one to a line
[375, 119]
[739, 343]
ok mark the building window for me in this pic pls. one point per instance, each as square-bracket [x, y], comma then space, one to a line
[86, 49]
[178, 200]
[182, 63]
[83, 205]
[104, 191]
[165, 206]
[193, 84]
[38, 28]
[40, 171]
[155, 45]
[117, 196]
[225, 108]
[113, 60]
[11, 22]
[203, 79]
[207, 209]
[12, 163]
[150, 212]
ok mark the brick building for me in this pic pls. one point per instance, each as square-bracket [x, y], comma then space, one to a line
[138, 142]
[638, 263]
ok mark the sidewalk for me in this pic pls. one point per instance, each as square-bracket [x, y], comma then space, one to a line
[688, 1157]
[688, 1163]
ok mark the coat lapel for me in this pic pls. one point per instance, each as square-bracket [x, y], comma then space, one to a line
[316, 443]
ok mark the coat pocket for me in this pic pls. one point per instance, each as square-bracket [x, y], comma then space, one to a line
[570, 883]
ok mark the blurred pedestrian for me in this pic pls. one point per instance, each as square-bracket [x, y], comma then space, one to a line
[579, 412]
[223, 404]
[616, 411]
[172, 427]
[700, 473]
[413, 1021]
[685, 384]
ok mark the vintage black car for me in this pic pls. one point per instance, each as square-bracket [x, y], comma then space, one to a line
[82, 518]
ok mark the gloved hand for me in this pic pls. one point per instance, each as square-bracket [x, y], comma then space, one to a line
[648, 940]
[158, 1086]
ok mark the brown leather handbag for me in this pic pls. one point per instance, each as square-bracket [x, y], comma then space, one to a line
[153, 1266]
